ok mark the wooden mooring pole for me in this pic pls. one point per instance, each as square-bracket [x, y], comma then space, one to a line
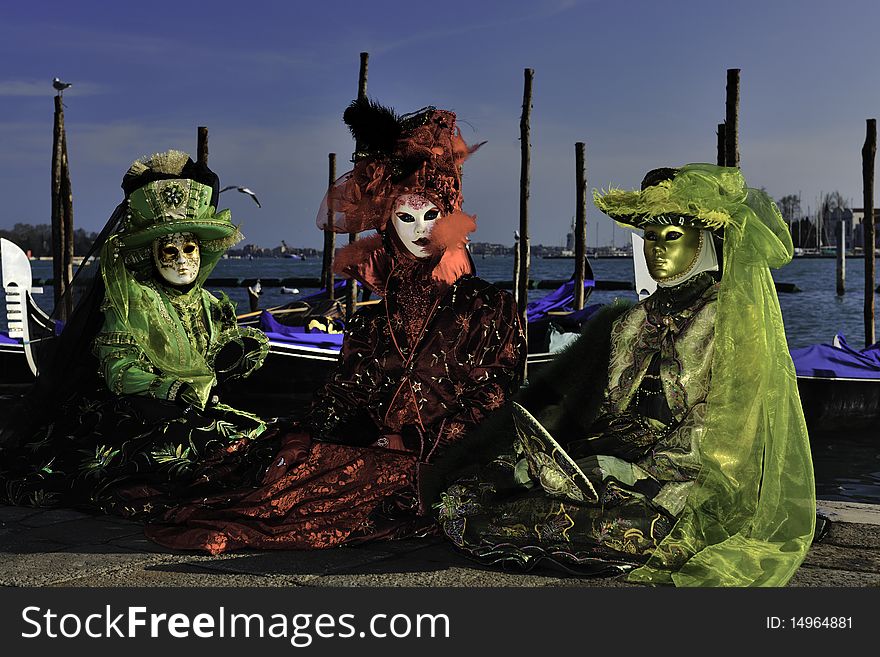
[362, 75]
[351, 286]
[731, 122]
[516, 267]
[67, 208]
[329, 235]
[522, 283]
[841, 259]
[62, 217]
[580, 226]
[869, 150]
[202, 147]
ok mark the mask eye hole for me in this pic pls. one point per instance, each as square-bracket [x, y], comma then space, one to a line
[189, 248]
[650, 236]
[673, 235]
[406, 217]
[431, 215]
[169, 251]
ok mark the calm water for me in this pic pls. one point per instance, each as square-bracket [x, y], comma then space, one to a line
[811, 316]
[847, 466]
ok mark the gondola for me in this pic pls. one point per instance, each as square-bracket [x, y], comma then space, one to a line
[303, 351]
[839, 387]
[305, 337]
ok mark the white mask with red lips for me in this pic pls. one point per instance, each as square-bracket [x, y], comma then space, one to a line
[177, 258]
[413, 218]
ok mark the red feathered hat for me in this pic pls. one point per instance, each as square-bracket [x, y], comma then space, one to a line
[418, 153]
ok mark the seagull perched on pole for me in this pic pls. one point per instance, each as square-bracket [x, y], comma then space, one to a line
[60, 86]
[243, 190]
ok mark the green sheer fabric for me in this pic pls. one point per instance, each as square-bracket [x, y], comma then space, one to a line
[750, 517]
[134, 297]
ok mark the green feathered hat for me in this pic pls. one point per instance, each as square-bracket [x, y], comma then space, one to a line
[700, 195]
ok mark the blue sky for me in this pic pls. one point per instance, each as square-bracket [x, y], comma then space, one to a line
[641, 82]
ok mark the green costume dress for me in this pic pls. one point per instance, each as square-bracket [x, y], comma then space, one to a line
[683, 413]
[203, 324]
[134, 434]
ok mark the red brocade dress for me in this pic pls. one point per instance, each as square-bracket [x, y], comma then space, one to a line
[416, 372]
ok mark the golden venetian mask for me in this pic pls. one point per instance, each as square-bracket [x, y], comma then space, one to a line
[671, 251]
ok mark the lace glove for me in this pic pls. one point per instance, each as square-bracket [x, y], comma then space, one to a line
[295, 447]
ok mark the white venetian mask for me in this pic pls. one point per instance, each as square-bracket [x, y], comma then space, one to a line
[177, 258]
[413, 218]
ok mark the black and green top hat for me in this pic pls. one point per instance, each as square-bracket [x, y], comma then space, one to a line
[169, 193]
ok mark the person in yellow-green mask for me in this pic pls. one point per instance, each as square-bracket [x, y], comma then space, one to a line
[668, 442]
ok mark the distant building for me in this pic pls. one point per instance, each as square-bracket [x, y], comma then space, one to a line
[858, 217]
[256, 251]
[485, 248]
[831, 225]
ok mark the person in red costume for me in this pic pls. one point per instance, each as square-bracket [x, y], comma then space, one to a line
[442, 351]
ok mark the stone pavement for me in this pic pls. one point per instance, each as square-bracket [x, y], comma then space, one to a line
[61, 547]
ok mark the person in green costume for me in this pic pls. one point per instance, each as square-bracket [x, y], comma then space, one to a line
[148, 346]
[680, 412]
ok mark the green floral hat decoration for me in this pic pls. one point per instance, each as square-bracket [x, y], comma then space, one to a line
[700, 195]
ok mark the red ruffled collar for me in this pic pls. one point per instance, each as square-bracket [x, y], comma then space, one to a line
[369, 261]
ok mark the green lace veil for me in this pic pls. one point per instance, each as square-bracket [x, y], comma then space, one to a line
[132, 291]
[750, 516]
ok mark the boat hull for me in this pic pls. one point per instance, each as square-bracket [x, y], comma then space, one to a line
[837, 404]
[291, 374]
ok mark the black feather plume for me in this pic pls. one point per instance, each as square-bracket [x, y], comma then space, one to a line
[375, 128]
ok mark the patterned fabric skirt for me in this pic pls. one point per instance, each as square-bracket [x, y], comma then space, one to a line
[128, 455]
[494, 520]
[335, 494]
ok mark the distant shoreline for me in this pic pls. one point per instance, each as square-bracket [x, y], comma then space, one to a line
[629, 257]
[77, 260]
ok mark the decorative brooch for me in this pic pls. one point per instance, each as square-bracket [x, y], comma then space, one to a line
[172, 195]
